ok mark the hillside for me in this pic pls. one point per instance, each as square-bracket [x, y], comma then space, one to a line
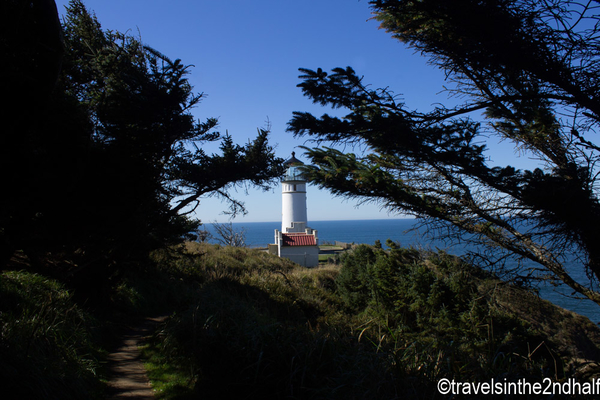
[245, 324]
[382, 325]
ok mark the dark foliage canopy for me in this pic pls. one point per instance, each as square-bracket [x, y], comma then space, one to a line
[102, 158]
[528, 72]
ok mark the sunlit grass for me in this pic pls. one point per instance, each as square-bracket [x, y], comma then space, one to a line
[170, 380]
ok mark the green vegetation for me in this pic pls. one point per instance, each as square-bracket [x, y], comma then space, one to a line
[101, 159]
[383, 325]
[107, 164]
[48, 345]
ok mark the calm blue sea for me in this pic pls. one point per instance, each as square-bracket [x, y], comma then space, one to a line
[259, 234]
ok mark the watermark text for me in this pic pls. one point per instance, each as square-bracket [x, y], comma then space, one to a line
[519, 387]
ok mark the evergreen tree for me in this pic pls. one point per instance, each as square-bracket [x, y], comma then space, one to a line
[531, 68]
[116, 160]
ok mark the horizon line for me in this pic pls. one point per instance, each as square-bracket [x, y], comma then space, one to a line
[316, 220]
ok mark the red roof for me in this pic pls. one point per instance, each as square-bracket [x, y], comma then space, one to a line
[298, 239]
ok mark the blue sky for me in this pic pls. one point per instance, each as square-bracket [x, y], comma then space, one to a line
[246, 56]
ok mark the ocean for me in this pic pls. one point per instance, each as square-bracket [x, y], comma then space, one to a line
[259, 234]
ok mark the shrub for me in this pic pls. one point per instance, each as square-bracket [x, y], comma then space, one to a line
[428, 306]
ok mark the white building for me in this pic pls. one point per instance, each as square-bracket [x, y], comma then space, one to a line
[295, 241]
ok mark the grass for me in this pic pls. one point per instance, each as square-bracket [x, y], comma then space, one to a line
[330, 247]
[375, 325]
[169, 380]
[249, 320]
[48, 346]
[323, 258]
[261, 327]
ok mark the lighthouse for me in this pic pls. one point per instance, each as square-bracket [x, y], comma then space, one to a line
[295, 241]
[293, 197]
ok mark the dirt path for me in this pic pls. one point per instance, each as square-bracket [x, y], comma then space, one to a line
[128, 375]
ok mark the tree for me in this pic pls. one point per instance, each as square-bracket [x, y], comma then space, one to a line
[114, 162]
[30, 41]
[529, 73]
[227, 235]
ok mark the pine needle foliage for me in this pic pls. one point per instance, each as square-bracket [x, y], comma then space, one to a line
[520, 71]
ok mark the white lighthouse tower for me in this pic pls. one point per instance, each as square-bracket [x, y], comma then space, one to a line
[293, 197]
[296, 241]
